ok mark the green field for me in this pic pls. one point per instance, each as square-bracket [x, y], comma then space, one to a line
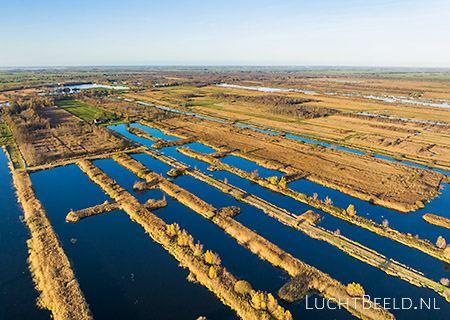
[85, 111]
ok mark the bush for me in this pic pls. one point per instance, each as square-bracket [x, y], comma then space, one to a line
[173, 230]
[355, 290]
[441, 242]
[197, 249]
[209, 256]
[185, 240]
[212, 273]
[272, 180]
[242, 287]
[283, 182]
[328, 201]
[351, 210]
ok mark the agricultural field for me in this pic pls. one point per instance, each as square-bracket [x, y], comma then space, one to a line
[85, 111]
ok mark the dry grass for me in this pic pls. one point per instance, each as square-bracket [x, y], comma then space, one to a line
[393, 185]
[437, 220]
[75, 216]
[51, 270]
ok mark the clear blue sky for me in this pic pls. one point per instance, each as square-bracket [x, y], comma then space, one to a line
[285, 32]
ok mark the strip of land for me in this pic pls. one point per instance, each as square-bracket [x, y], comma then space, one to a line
[59, 289]
[221, 282]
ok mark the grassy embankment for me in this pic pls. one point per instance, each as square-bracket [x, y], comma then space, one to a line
[54, 278]
[181, 246]
[350, 216]
[437, 220]
[6, 140]
[223, 218]
[75, 216]
[88, 112]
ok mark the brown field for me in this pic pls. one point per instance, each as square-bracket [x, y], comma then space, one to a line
[425, 143]
[6, 95]
[393, 185]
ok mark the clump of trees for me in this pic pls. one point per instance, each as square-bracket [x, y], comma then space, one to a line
[355, 290]
[281, 104]
[266, 301]
[43, 137]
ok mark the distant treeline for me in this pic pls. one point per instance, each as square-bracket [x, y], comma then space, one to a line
[283, 105]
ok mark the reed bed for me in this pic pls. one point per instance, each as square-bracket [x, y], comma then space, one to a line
[54, 278]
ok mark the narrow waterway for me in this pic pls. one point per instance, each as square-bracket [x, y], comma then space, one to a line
[17, 293]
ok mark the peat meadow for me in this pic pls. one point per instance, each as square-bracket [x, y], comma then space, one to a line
[225, 193]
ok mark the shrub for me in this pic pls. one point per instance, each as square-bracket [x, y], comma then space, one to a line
[210, 214]
[197, 249]
[272, 180]
[185, 240]
[209, 256]
[242, 287]
[283, 182]
[212, 273]
[420, 205]
[255, 174]
[328, 201]
[355, 290]
[445, 282]
[173, 229]
[351, 210]
[271, 303]
[258, 301]
[441, 242]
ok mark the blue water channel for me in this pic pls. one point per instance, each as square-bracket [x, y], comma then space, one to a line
[17, 293]
[121, 271]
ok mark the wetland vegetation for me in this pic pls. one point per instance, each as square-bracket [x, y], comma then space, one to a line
[266, 186]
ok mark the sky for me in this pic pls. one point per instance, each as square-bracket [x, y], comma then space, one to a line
[403, 33]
